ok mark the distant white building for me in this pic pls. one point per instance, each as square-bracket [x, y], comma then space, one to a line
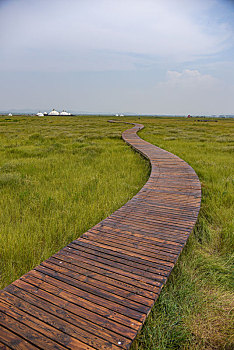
[117, 115]
[121, 115]
[39, 114]
[10, 115]
[65, 113]
[54, 112]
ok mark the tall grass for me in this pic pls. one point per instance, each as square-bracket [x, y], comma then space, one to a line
[58, 178]
[194, 310]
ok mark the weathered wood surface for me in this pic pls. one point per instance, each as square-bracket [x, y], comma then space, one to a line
[97, 292]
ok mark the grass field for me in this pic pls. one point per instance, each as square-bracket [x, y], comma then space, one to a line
[60, 176]
[194, 311]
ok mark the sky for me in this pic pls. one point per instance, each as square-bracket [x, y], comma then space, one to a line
[170, 57]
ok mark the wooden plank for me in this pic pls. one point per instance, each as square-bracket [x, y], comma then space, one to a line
[132, 247]
[139, 236]
[25, 332]
[84, 272]
[111, 254]
[69, 331]
[111, 247]
[54, 335]
[159, 233]
[62, 304]
[138, 240]
[140, 270]
[3, 346]
[51, 314]
[101, 282]
[70, 293]
[88, 247]
[121, 270]
[11, 340]
[117, 275]
[63, 281]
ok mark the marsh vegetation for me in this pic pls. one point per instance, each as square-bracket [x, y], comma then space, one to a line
[194, 310]
[60, 176]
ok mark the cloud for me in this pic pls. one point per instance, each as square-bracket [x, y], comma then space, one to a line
[189, 79]
[81, 35]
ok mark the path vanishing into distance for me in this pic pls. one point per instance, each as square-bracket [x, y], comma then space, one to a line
[97, 291]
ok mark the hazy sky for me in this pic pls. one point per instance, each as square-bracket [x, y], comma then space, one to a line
[136, 56]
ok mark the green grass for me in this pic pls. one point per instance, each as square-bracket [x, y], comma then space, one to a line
[60, 176]
[194, 310]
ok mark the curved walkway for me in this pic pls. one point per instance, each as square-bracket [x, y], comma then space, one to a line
[97, 292]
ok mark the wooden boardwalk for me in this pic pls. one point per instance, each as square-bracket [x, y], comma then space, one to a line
[97, 292]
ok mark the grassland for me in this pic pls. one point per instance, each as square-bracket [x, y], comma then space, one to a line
[194, 311]
[60, 176]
